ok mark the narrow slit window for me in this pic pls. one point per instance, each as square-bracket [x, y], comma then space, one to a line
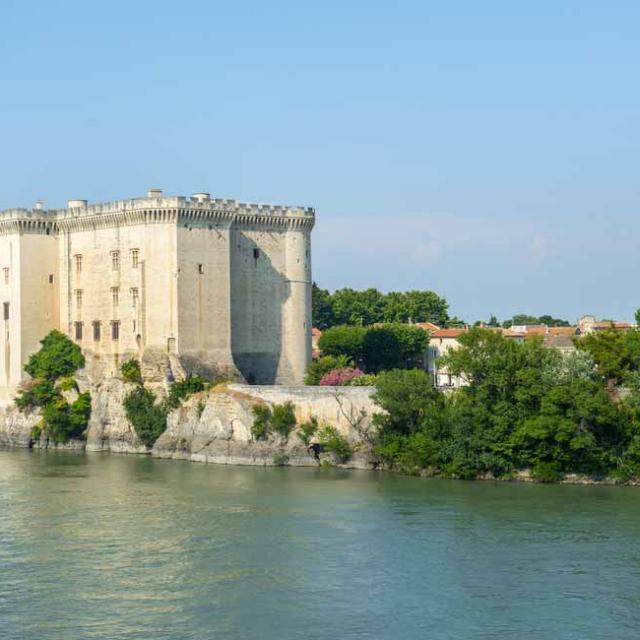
[96, 330]
[51, 278]
[78, 293]
[256, 254]
[115, 329]
[78, 261]
[200, 268]
[115, 260]
[135, 257]
[134, 297]
[6, 310]
[115, 295]
[78, 326]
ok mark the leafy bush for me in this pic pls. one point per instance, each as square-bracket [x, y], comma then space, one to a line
[365, 380]
[62, 421]
[547, 472]
[148, 418]
[261, 422]
[130, 370]
[280, 459]
[340, 377]
[332, 440]
[308, 429]
[322, 366]
[283, 419]
[184, 388]
[68, 384]
[58, 356]
[345, 340]
[36, 393]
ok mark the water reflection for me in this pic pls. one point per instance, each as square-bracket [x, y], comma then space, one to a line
[99, 546]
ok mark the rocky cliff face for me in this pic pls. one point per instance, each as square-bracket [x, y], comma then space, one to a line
[215, 426]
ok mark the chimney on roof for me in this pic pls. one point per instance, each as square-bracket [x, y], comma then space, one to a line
[154, 193]
[76, 204]
[39, 205]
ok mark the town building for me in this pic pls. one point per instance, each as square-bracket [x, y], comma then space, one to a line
[195, 284]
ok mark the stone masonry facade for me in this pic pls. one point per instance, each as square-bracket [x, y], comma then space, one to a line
[185, 284]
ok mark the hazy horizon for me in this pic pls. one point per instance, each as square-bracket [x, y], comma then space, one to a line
[488, 156]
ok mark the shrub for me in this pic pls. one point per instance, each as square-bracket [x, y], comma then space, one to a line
[62, 421]
[283, 419]
[130, 370]
[280, 459]
[323, 365]
[340, 377]
[308, 429]
[58, 356]
[332, 440]
[365, 380]
[182, 389]
[345, 340]
[261, 422]
[147, 418]
[546, 472]
[36, 393]
[68, 384]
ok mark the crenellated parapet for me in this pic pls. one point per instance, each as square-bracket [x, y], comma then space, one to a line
[199, 210]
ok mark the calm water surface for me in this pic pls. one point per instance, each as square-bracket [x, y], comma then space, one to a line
[111, 547]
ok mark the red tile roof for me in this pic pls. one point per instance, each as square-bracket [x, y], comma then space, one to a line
[428, 326]
[448, 333]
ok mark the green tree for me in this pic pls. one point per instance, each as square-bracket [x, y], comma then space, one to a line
[381, 350]
[616, 353]
[343, 340]
[415, 306]
[321, 308]
[148, 418]
[351, 307]
[58, 356]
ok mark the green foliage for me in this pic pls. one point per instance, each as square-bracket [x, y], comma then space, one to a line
[57, 357]
[62, 421]
[523, 318]
[283, 419]
[261, 421]
[322, 308]
[393, 346]
[318, 368]
[36, 393]
[616, 353]
[148, 418]
[363, 308]
[366, 380]
[332, 440]
[130, 371]
[184, 388]
[36, 432]
[68, 384]
[526, 407]
[280, 459]
[343, 340]
[308, 429]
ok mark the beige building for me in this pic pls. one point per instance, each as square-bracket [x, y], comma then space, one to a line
[189, 284]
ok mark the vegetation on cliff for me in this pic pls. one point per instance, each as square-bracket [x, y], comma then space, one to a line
[525, 407]
[51, 369]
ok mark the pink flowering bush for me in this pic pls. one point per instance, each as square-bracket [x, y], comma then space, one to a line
[339, 377]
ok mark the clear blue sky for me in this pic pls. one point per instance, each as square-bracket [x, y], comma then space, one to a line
[488, 151]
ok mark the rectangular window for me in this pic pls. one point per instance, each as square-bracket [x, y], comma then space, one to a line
[256, 254]
[78, 293]
[78, 260]
[51, 278]
[6, 275]
[135, 256]
[115, 295]
[6, 310]
[115, 329]
[78, 326]
[96, 330]
[115, 260]
[200, 269]
[134, 296]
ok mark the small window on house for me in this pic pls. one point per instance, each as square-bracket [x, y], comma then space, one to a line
[135, 256]
[78, 293]
[78, 326]
[256, 254]
[115, 260]
[6, 310]
[78, 260]
[115, 295]
[6, 275]
[134, 296]
[51, 278]
[96, 330]
[115, 329]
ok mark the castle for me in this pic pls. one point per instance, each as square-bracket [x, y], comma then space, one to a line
[197, 284]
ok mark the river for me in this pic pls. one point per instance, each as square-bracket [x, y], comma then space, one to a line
[96, 546]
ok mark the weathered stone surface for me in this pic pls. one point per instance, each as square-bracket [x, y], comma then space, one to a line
[216, 426]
